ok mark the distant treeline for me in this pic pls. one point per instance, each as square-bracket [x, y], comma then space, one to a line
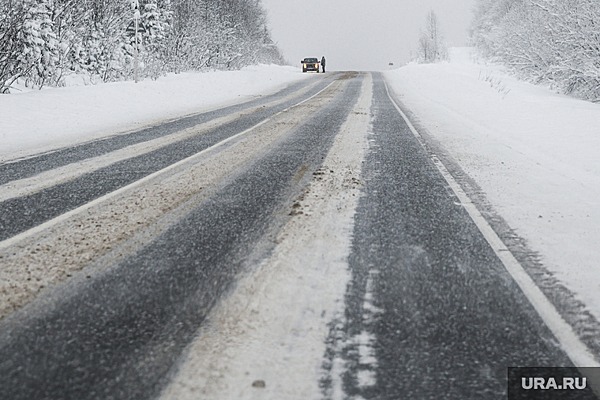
[555, 42]
[43, 41]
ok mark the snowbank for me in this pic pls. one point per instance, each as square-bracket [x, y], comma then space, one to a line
[535, 154]
[37, 121]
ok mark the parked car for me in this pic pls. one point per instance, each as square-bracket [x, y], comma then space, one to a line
[310, 64]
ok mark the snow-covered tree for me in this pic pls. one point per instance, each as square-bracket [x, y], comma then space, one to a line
[28, 45]
[548, 41]
[431, 43]
[223, 34]
[156, 18]
[42, 41]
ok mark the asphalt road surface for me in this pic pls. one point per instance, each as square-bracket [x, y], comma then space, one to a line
[429, 310]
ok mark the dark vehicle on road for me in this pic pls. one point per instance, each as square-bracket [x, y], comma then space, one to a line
[310, 64]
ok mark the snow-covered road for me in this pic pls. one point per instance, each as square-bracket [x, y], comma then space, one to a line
[308, 243]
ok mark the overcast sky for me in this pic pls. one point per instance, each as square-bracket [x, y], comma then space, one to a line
[361, 34]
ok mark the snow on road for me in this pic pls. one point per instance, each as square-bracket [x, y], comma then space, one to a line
[534, 153]
[36, 121]
[267, 339]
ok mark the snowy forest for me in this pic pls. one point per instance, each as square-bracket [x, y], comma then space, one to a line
[44, 41]
[555, 42]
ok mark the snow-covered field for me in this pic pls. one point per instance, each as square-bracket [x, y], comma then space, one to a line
[534, 153]
[35, 121]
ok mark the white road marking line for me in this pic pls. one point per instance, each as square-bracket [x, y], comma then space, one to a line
[575, 349]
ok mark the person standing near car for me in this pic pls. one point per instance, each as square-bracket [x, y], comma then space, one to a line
[323, 63]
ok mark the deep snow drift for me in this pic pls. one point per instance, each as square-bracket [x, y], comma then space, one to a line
[533, 152]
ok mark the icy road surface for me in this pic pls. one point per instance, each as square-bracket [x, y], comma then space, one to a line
[300, 246]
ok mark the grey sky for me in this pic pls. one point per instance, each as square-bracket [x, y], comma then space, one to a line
[361, 34]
